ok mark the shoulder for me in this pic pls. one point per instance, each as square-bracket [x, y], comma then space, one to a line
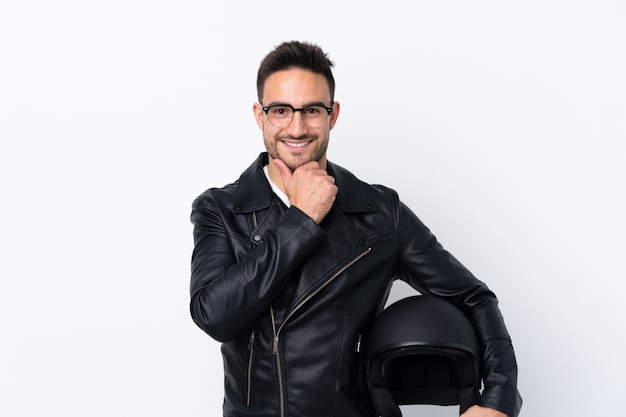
[356, 188]
[218, 193]
[249, 190]
[213, 204]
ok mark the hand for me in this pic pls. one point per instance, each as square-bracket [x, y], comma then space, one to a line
[309, 188]
[478, 411]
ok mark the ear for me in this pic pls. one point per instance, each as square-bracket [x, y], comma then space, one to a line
[258, 114]
[334, 114]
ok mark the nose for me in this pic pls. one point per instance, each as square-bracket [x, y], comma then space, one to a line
[297, 126]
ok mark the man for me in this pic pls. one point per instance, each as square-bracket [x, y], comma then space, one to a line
[293, 261]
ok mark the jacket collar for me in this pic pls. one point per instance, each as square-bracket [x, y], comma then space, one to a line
[254, 192]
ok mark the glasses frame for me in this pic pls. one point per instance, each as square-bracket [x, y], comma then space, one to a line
[266, 109]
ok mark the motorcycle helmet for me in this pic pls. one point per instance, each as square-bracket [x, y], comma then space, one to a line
[422, 350]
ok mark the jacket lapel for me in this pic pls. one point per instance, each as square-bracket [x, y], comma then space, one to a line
[343, 243]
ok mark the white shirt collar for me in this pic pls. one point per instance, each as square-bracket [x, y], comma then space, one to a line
[283, 197]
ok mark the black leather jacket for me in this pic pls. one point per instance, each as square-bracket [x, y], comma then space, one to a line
[292, 301]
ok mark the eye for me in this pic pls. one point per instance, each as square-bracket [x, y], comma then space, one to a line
[313, 111]
[279, 111]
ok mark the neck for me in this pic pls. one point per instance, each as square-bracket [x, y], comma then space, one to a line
[275, 175]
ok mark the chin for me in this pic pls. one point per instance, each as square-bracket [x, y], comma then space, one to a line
[296, 161]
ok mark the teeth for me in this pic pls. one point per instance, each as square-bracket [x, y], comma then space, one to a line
[297, 144]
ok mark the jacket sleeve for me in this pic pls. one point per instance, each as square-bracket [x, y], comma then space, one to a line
[429, 268]
[229, 289]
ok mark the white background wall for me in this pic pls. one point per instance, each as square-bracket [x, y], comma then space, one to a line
[502, 124]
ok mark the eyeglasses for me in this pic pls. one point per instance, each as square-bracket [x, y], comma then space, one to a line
[281, 115]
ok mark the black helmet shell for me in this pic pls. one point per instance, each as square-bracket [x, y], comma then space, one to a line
[422, 350]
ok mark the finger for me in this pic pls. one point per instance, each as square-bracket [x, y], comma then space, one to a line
[284, 170]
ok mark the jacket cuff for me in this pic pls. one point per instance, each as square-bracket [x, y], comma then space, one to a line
[511, 409]
[298, 216]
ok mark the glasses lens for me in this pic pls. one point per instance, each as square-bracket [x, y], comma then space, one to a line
[314, 116]
[280, 116]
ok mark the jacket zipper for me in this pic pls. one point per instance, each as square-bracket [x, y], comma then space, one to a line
[277, 331]
[249, 372]
[278, 369]
[250, 346]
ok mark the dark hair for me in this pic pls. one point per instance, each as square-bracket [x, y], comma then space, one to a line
[295, 54]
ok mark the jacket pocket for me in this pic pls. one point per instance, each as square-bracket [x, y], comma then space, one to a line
[249, 367]
[360, 365]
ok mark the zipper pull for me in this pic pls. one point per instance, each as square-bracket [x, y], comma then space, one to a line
[275, 347]
[358, 344]
[251, 341]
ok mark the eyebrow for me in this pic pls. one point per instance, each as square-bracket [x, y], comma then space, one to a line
[282, 103]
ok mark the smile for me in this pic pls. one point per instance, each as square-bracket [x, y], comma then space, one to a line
[297, 144]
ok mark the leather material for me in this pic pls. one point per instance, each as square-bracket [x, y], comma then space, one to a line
[292, 300]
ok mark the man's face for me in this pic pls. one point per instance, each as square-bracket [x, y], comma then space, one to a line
[297, 143]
